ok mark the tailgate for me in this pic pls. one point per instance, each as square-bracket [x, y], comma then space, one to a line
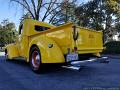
[89, 41]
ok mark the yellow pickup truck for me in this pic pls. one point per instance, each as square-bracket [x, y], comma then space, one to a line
[40, 43]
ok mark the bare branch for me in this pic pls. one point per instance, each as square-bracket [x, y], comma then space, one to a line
[51, 4]
[39, 7]
[26, 3]
[52, 10]
[24, 7]
[33, 3]
[47, 11]
[52, 18]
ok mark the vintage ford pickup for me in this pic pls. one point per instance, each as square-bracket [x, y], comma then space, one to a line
[40, 43]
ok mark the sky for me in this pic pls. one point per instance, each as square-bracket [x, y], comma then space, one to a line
[10, 11]
[13, 12]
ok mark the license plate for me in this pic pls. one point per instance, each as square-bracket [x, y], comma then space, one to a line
[72, 57]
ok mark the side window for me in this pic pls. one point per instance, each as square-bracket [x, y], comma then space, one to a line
[20, 29]
[41, 28]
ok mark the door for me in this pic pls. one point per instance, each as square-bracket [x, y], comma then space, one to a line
[22, 42]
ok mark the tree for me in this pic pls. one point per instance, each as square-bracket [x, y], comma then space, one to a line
[95, 14]
[38, 9]
[65, 13]
[99, 15]
[7, 30]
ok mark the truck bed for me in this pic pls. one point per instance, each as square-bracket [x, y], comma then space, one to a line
[88, 41]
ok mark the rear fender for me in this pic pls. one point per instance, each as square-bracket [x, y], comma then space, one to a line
[49, 53]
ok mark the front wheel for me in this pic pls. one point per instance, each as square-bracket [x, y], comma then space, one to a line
[35, 59]
[6, 55]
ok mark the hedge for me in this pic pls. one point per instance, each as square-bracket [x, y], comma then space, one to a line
[112, 47]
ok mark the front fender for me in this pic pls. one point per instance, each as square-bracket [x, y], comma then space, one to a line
[12, 51]
[48, 55]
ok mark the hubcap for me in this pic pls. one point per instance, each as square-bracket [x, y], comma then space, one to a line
[35, 59]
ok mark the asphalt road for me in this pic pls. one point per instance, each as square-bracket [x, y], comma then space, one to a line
[17, 75]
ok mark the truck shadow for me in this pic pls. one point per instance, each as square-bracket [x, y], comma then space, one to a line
[52, 69]
[19, 62]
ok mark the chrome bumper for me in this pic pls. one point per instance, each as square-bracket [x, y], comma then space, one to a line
[90, 61]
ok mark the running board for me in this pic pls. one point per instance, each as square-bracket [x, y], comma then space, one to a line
[90, 61]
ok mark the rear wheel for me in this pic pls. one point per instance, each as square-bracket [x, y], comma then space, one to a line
[35, 59]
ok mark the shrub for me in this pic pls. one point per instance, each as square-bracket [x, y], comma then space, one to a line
[112, 47]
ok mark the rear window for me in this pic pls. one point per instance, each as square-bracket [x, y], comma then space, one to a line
[41, 28]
